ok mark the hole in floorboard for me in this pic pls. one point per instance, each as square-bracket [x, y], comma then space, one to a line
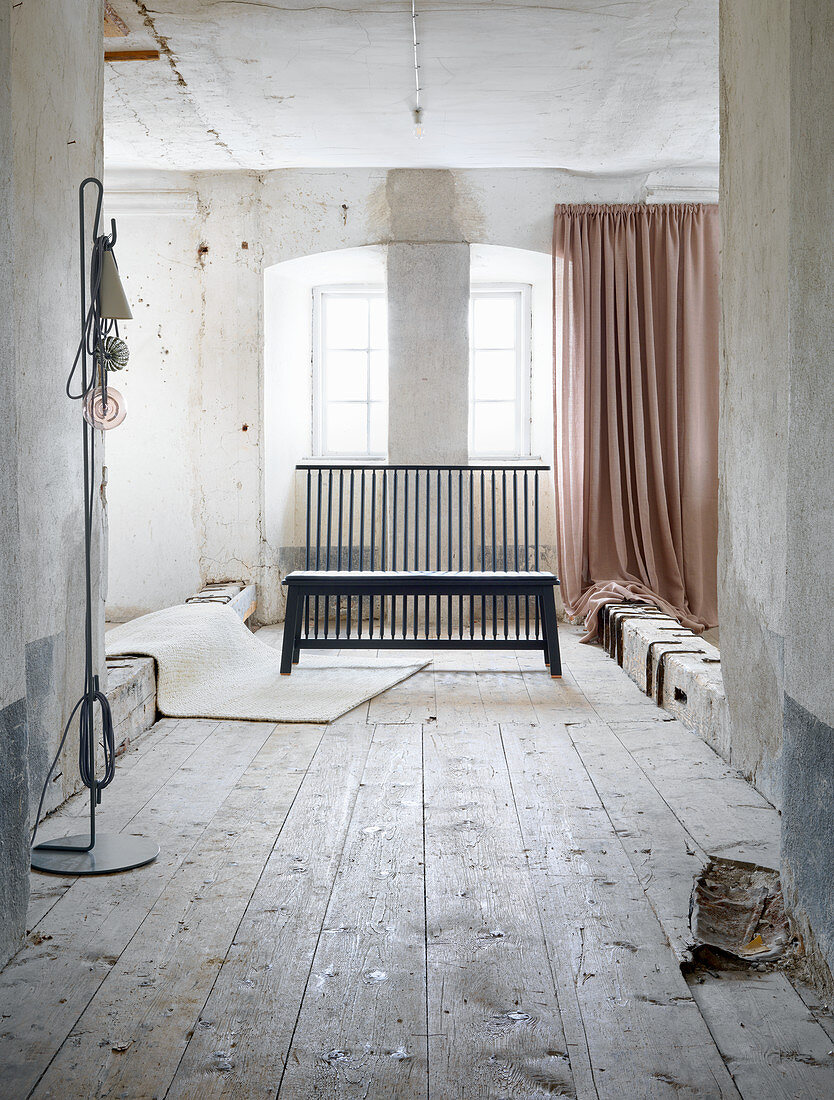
[680, 695]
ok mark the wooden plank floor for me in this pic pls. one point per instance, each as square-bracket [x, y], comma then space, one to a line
[475, 886]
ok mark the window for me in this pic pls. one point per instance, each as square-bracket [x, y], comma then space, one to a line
[499, 372]
[350, 359]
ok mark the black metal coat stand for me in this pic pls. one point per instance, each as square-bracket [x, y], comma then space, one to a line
[93, 853]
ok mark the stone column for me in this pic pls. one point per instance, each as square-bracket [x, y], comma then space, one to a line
[428, 321]
[777, 427]
[808, 745]
[14, 853]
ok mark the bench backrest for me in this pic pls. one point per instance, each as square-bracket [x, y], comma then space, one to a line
[422, 517]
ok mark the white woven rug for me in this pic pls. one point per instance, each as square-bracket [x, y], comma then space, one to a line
[210, 665]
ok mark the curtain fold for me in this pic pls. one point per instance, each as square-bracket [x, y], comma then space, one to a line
[637, 407]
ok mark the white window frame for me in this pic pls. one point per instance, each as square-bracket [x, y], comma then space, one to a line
[524, 366]
[320, 294]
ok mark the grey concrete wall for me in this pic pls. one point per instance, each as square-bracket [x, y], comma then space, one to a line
[808, 802]
[52, 138]
[14, 879]
[428, 319]
[777, 505]
[428, 352]
[754, 378]
[57, 88]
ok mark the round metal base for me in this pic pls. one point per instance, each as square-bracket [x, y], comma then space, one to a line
[112, 852]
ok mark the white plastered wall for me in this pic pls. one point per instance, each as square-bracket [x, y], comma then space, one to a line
[223, 515]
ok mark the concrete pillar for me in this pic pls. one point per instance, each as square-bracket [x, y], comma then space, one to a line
[808, 751]
[428, 350]
[14, 877]
[754, 378]
[428, 320]
[51, 121]
[777, 427]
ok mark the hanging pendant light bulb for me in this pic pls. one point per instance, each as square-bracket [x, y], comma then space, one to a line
[417, 115]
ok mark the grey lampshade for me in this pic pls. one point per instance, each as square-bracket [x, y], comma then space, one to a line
[111, 292]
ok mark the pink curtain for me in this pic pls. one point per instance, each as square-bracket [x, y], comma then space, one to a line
[637, 407]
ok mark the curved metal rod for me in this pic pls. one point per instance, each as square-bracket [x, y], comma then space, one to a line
[100, 187]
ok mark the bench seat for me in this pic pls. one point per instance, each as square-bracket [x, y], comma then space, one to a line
[302, 584]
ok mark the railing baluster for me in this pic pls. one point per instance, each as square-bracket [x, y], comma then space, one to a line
[339, 553]
[308, 519]
[471, 548]
[373, 552]
[350, 548]
[526, 554]
[515, 543]
[361, 543]
[460, 542]
[405, 548]
[536, 535]
[384, 547]
[329, 539]
[428, 543]
[416, 538]
[494, 562]
[437, 552]
[394, 555]
[320, 475]
[504, 539]
[483, 551]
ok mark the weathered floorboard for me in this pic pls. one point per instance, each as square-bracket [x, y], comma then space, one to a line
[362, 1026]
[138, 1023]
[644, 1033]
[83, 935]
[243, 1033]
[559, 853]
[773, 1046]
[494, 1023]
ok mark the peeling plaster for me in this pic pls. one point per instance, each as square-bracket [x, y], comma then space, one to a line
[586, 87]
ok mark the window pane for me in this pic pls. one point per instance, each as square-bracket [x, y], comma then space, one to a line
[353, 371]
[379, 428]
[495, 322]
[379, 323]
[379, 375]
[346, 322]
[495, 375]
[347, 376]
[494, 428]
[346, 428]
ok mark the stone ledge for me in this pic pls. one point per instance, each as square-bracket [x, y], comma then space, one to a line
[692, 686]
[131, 692]
[241, 597]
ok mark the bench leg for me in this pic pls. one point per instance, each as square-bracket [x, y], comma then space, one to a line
[551, 633]
[299, 626]
[291, 625]
[543, 625]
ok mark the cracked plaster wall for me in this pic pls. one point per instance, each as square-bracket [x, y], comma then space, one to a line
[202, 288]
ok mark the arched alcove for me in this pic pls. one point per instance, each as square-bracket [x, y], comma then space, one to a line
[288, 388]
[288, 379]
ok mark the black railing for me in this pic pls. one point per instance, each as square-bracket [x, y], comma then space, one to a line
[422, 517]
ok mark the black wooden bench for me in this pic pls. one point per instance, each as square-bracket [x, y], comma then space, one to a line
[421, 557]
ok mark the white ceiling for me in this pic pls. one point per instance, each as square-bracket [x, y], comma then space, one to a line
[592, 86]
